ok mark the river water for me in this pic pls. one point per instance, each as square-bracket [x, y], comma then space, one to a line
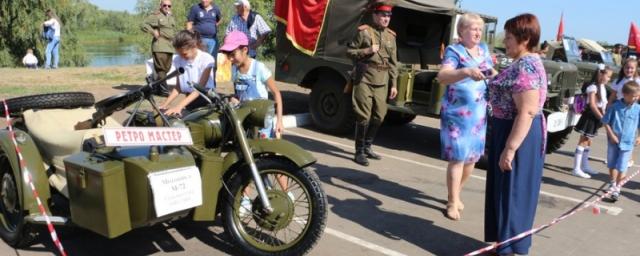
[114, 54]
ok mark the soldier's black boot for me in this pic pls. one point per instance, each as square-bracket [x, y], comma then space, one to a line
[368, 140]
[360, 156]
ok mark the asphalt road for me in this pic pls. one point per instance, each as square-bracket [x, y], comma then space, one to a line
[395, 206]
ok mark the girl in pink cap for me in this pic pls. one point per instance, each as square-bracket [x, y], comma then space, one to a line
[251, 78]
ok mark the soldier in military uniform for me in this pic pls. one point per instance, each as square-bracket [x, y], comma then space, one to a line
[162, 26]
[374, 53]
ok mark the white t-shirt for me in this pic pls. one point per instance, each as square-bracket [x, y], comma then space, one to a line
[618, 86]
[53, 23]
[602, 103]
[29, 59]
[193, 70]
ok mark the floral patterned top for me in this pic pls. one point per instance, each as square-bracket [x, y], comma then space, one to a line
[527, 73]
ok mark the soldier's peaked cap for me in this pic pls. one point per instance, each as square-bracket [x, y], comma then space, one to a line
[383, 6]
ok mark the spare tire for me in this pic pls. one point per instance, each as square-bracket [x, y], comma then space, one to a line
[46, 101]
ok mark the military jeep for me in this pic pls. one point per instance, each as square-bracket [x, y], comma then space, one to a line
[594, 52]
[587, 61]
[424, 29]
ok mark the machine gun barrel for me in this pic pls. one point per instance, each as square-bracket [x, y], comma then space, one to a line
[106, 107]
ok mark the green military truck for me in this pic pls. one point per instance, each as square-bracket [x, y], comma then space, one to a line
[424, 28]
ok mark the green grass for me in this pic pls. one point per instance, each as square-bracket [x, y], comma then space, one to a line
[108, 76]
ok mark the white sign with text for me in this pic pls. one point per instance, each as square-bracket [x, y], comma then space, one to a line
[557, 121]
[147, 136]
[176, 189]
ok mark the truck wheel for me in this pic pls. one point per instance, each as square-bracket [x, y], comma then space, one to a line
[46, 101]
[398, 118]
[297, 221]
[331, 108]
[555, 140]
[13, 228]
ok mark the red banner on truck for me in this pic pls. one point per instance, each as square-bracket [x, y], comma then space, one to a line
[303, 20]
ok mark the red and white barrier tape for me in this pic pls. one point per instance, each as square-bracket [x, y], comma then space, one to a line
[593, 203]
[29, 179]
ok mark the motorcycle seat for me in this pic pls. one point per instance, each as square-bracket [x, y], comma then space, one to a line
[54, 133]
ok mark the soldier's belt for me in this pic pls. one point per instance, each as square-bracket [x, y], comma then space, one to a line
[379, 67]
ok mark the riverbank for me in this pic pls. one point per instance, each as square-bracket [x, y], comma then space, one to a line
[15, 82]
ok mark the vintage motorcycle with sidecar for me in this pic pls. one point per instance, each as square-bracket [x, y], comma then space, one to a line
[95, 173]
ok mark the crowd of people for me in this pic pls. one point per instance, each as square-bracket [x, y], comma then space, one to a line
[510, 101]
[196, 50]
[513, 106]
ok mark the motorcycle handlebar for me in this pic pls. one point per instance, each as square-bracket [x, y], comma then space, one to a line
[210, 93]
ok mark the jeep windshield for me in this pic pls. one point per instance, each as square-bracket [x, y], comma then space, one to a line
[571, 49]
[607, 58]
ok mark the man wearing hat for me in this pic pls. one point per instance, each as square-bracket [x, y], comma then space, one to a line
[251, 24]
[162, 26]
[373, 51]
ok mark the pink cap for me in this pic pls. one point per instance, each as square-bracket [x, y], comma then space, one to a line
[233, 40]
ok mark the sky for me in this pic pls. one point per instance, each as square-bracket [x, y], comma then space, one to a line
[598, 20]
[115, 5]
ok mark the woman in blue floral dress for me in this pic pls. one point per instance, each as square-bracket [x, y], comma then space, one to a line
[465, 67]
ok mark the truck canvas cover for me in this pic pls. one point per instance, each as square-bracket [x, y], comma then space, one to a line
[322, 28]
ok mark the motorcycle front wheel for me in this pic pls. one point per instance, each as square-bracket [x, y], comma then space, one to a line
[297, 221]
[13, 228]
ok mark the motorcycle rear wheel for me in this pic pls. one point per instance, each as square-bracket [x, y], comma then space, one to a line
[296, 224]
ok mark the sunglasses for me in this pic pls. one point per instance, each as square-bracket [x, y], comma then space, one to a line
[166, 5]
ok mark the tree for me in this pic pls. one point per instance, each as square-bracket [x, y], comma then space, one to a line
[17, 29]
[20, 28]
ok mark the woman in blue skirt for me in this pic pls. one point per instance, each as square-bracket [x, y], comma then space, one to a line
[517, 140]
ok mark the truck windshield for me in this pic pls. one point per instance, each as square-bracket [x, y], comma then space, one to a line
[572, 50]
